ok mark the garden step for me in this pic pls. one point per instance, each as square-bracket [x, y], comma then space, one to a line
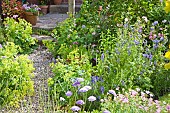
[49, 21]
[62, 8]
[40, 38]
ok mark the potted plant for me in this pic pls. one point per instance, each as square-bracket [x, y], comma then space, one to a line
[57, 2]
[31, 13]
[43, 6]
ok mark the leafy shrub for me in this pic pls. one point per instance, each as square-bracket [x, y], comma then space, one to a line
[15, 77]
[19, 33]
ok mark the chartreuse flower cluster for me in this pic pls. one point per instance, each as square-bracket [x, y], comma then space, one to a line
[167, 55]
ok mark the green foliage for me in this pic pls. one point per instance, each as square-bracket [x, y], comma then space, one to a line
[15, 76]
[19, 33]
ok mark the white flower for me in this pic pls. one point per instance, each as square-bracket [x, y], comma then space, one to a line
[62, 99]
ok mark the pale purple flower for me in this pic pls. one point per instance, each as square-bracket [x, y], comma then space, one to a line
[134, 93]
[62, 99]
[155, 23]
[158, 110]
[83, 26]
[92, 98]
[0, 46]
[15, 16]
[75, 43]
[69, 93]
[76, 84]
[112, 92]
[136, 42]
[162, 38]
[88, 87]
[168, 107]
[82, 90]
[106, 111]
[80, 79]
[125, 100]
[80, 102]
[102, 57]
[75, 108]
[102, 89]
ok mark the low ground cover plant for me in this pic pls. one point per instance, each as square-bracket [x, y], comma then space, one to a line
[19, 33]
[15, 75]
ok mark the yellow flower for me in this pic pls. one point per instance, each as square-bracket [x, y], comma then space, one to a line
[167, 66]
[169, 46]
[167, 54]
[167, 7]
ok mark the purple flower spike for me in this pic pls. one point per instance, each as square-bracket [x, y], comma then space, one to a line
[75, 108]
[106, 111]
[80, 102]
[69, 93]
[92, 98]
[0, 46]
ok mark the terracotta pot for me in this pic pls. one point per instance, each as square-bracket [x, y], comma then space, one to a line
[31, 18]
[44, 9]
[57, 2]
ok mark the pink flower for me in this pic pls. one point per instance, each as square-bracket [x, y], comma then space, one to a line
[125, 100]
[134, 93]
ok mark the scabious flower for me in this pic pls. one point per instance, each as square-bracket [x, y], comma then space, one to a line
[75, 108]
[112, 92]
[134, 93]
[168, 107]
[82, 90]
[87, 87]
[83, 26]
[80, 79]
[106, 111]
[69, 93]
[76, 84]
[80, 102]
[92, 98]
[102, 89]
[155, 23]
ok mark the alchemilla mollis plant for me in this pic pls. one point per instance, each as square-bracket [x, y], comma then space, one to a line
[15, 75]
